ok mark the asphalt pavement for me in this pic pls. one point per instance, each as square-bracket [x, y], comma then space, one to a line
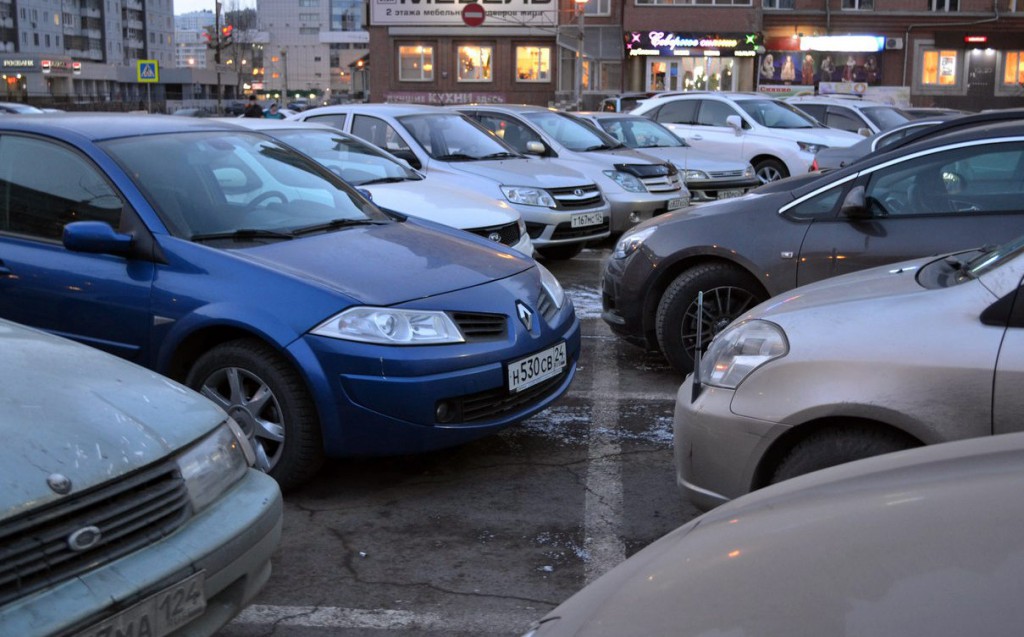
[485, 538]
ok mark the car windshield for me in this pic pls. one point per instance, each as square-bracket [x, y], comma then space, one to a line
[355, 161]
[454, 137]
[776, 114]
[639, 132]
[885, 117]
[237, 185]
[571, 133]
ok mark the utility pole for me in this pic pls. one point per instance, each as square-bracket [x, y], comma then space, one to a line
[580, 6]
[216, 51]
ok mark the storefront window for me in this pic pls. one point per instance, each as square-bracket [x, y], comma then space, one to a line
[938, 68]
[533, 64]
[475, 63]
[1013, 74]
[416, 63]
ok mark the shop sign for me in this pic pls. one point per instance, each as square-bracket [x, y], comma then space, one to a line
[811, 68]
[659, 43]
[59, 67]
[20, 64]
[500, 13]
[443, 97]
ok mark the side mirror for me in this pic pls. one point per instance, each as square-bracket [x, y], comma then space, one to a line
[536, 148]
[409, 157]
[855, 204]
[734, 122]
[96, 237]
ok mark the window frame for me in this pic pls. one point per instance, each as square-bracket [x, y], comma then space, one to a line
[539, 48]
[918, 85]
[489, 67]
[424, 48]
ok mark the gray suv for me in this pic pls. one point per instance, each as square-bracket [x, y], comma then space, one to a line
[949, 191]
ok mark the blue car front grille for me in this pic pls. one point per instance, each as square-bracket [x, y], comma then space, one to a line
[477, 327]
[498, 402]
[130, 513]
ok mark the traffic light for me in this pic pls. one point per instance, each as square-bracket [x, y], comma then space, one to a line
[225, 34]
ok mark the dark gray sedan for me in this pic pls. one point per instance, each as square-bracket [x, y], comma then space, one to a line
[950, 191]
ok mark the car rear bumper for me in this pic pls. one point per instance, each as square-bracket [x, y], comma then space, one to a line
[630, 208]
[231, 541]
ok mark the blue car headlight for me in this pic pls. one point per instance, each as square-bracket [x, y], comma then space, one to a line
[389, 326]
[215, 463]
[626, 181]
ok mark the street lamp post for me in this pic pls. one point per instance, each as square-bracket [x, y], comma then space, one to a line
[581, 6]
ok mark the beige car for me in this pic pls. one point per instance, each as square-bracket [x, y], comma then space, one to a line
[925, 542]
[884, 359]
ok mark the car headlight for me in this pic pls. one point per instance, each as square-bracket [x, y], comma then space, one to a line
[631, 242]
[749, 172]
[811, 147]
[629, 183]
[739, 350]
[387, 326]
[528, 196]
[551, 286]
[215, 463]
[695, 175]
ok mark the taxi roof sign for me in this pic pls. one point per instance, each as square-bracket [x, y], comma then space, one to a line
[148, 71]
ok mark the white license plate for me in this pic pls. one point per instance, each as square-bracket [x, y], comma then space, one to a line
[727, 194]
[157, 615]
[536, 368]
[676, 203]
[584, 219]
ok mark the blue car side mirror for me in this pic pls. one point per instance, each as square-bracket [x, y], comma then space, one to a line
[95, 237]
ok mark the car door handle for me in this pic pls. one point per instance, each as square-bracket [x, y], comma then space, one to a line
[697, 137]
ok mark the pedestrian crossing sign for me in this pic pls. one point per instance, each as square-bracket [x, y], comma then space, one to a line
[148, 71]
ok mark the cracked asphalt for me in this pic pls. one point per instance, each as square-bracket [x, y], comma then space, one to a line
[485, 538]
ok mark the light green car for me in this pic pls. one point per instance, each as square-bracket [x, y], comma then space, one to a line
[129, 505]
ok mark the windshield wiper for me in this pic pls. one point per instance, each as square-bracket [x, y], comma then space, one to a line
[500, 155]
[600, 147]
[335, 224]
[243, 234]
[456, 157]
[385, 180]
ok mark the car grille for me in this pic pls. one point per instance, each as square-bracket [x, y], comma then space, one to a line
[507, 234]
[494, 403]
[130, 513]
[726, 174]
[566, 231]
[667, 183]
[577, 197]
[480, 327]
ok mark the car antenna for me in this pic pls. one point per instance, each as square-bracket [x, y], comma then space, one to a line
[696, 384]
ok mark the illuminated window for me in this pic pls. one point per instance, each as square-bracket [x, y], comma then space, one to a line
[1013, 74]
[938, 68]
[533, 64]
[475, 63]
[858, 5]
[416, 63]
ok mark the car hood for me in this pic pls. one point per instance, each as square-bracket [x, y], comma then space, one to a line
[73, 410]
[826, 136]
[684, 157]
[459, 208]
[613, 157]
[519, 171]
[348, 261]
[922, 542]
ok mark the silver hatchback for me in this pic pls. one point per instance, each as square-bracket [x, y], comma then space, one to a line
[898, 356]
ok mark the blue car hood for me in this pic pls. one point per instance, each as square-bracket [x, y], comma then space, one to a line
[390, 263]
[70, 409]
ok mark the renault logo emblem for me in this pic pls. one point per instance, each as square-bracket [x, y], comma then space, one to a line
[525, 315]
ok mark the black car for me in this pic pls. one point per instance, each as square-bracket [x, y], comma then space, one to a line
[958, 189]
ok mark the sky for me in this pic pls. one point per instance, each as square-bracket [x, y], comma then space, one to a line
[187, 6]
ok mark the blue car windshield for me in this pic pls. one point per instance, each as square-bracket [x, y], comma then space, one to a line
[212, 184]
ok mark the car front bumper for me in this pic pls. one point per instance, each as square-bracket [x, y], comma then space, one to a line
[549, 228]
[232, 541]
[716, 452]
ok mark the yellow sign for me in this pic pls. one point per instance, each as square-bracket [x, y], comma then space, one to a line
[148, 71]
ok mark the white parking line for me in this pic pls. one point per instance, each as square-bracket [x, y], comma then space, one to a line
[602, 510]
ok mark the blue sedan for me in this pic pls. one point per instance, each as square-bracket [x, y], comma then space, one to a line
[322, 324]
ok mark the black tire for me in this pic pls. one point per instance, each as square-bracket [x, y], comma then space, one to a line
[728, 292]
[561, 252]
[770, 170]
[283, 426]
[837, 446]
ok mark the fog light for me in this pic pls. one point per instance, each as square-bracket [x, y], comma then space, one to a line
[443, 412]
[634, 217]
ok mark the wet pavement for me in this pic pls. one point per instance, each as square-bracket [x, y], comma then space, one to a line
[487, 537]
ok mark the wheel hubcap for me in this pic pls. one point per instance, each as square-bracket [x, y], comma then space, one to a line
[721, 306]
[252, 404]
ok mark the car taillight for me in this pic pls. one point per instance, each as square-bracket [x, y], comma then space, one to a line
[814, 166]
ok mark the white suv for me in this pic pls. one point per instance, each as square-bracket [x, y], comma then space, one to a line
[776, 138]
[851, 113]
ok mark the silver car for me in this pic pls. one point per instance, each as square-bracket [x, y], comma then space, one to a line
[897, 356]
[129, 505]
[562, 208]
[923, 542]
[707, 177]
[637, 186]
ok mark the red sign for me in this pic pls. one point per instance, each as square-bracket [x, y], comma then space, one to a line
[976, 39]
[473, 15]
